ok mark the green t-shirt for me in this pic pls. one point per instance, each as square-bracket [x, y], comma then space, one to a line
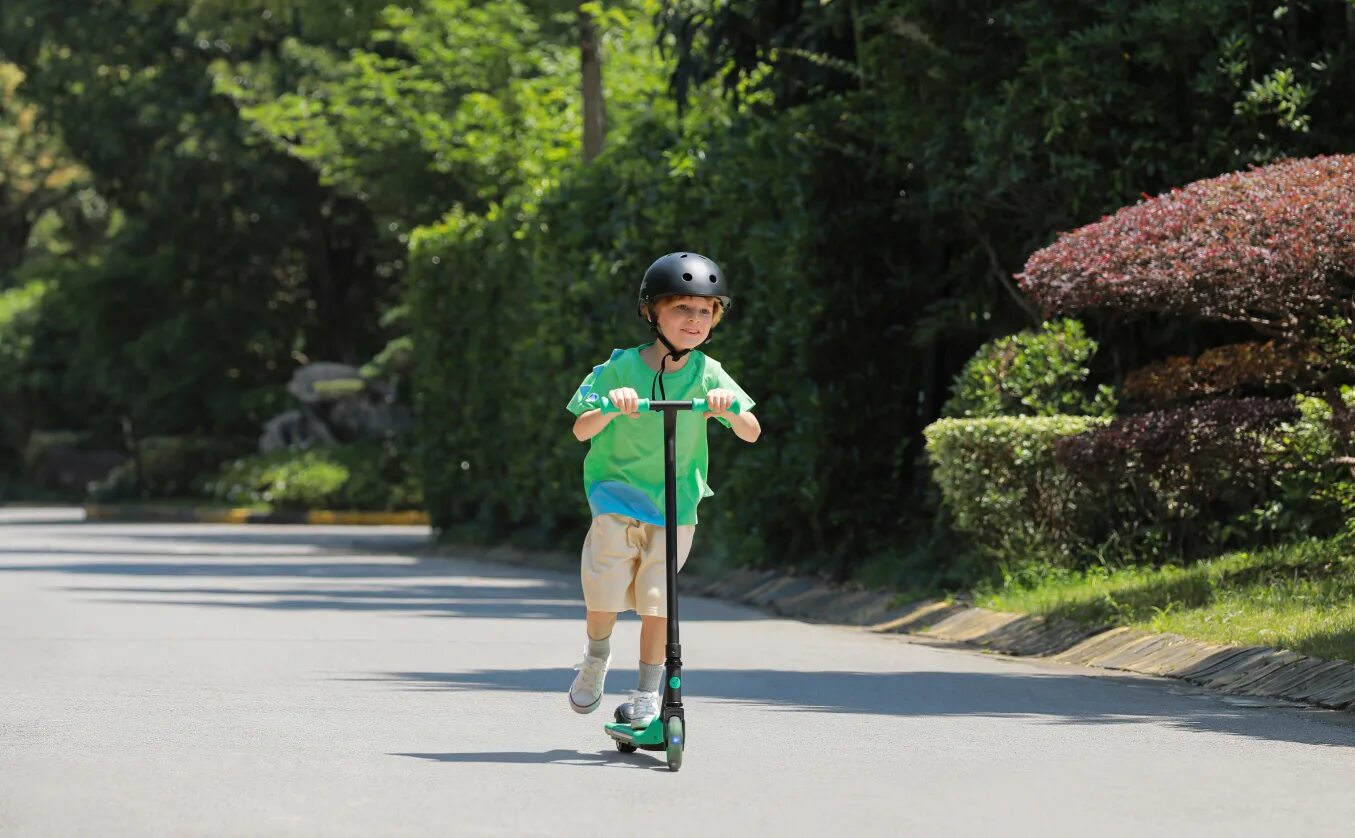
[623, 472]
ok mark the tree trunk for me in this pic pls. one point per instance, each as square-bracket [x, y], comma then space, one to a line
[594, 109]
[14, 234]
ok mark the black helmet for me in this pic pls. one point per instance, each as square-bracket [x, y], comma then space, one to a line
[685, 275]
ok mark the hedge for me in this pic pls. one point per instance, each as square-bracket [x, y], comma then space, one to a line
[1165, 486]
[512, 309]
[1004, 488]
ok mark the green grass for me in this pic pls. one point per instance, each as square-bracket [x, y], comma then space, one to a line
[1300, 597]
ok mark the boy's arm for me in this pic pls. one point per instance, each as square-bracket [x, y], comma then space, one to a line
[744, 425]
[589, 424]
[589, 421]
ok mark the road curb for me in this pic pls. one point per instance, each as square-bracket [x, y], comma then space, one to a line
[1255, 671]
[219, 515]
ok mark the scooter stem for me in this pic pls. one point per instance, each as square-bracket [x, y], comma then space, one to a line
[672, 680]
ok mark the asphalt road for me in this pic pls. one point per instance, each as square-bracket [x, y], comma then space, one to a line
[186, 680]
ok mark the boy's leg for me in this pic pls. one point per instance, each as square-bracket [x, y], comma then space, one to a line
[651, 602]
[653, 639]
[643, 704]
[585, 694]
[606, 577]
[600, 624]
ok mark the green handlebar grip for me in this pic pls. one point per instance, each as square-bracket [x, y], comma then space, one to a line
[605, 405]
[699, 406]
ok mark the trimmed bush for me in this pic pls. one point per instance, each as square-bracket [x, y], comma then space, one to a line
[1272, 247]
[362, 476]
[1153, 488]
[1002, 484]
[1175, 482]
[1033, 373]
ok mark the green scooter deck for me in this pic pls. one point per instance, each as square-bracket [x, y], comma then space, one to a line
[650, 738]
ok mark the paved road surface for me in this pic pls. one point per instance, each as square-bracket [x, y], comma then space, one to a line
[184, 680]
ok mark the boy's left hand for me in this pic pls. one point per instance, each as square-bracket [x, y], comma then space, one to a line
[718, 402]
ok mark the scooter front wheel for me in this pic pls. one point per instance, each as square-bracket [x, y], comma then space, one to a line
[675, 739]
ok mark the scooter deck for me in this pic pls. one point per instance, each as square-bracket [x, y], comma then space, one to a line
[650, 738]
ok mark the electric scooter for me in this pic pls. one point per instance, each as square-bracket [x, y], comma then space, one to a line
[668, 730]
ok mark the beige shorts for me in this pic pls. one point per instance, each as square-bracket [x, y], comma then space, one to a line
[623, 565]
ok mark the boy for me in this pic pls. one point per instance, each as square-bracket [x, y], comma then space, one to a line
[682, 297]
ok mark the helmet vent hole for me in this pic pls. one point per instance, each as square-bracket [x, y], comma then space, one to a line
[683, 256]
[687, 277]
[714, 278]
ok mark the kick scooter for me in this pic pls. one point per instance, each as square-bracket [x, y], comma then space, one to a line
[667, 732]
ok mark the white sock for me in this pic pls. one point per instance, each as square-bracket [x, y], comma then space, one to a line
[650, 674]
[600, 648]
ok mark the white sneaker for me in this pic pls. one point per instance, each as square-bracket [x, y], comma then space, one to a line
[640, 710]
[585, 694]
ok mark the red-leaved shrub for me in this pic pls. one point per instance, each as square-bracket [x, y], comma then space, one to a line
[1172, 470]
[1274, 247]
[1217, 371]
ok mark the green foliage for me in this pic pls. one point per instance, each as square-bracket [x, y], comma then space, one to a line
[445, 103]
[18, 307]
[1033, 373]
[363, 476]
[1316, 492]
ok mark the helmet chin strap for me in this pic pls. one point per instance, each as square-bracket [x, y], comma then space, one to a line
[673, 352]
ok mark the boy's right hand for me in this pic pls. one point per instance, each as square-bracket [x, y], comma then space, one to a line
[625, 400]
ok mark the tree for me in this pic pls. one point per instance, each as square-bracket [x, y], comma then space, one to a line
[234, 260]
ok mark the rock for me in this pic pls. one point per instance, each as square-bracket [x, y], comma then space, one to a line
[293, 429]
[337, 405]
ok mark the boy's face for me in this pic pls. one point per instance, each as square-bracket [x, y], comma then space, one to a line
[686, 321]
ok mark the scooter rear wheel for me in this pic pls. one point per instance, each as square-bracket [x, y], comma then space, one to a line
[624, 747]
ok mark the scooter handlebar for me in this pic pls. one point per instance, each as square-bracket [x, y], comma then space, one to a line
[647, 405]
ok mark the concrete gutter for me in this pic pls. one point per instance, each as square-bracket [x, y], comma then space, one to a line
[1256, 671]
[165, 513]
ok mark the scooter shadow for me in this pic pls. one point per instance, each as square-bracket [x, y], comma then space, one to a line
[582, 759]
